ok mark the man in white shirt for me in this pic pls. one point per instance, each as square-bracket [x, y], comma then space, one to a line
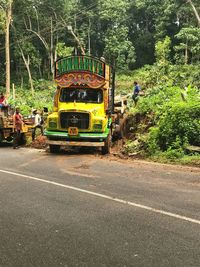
[38, 122]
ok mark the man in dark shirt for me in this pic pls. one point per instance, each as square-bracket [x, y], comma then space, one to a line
[136, 91]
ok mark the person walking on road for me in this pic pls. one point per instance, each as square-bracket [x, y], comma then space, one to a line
[17, 127]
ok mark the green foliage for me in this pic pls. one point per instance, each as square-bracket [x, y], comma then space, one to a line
[193, 160]
[162, 51]
[152, 34]
[189, 40]
[63, 51]
[173, 105]
[152, 78]
[2, 20]
[43, 97]
[177, 121]
[126, 32]
[119, 48]
[182, 120]
[152, 146]
[30, 52]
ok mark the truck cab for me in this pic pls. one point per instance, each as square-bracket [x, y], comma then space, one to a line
[81, 111]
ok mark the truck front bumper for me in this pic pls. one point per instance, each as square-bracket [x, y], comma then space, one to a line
[82, 139]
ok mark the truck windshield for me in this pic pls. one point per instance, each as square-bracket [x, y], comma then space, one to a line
[84, 95]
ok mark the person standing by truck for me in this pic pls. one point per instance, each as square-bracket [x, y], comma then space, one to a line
[17, 127]
[3, 101]
[38, 121]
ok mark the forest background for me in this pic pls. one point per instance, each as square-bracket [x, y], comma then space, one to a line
[156, 42]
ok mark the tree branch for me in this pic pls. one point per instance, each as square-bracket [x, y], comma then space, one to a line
[75, 36]
[195, 11]
[41, 39]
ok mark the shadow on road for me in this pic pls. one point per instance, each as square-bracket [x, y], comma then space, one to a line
[77, 151]
[5, 144]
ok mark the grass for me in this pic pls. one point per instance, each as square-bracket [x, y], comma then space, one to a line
[186, 160]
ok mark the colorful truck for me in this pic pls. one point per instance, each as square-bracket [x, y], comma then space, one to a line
[82, 104]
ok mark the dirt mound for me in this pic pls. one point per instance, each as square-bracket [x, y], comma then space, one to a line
[39, 142]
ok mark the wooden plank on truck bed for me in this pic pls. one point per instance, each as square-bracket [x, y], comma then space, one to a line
[120, 103]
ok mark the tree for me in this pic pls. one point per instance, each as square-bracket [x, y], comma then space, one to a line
[189, 43]
[194, 10]
[41, 22]
[118, 48]
[162, 52]
[125, 32]
[2, 19]
[63, 51]
[5, 21]
[30, 58]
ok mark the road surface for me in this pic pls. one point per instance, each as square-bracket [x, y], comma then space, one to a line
[75, 209]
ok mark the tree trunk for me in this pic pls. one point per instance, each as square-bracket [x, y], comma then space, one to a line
[48, 47]
[27, 64]
[113, 85]
[89, 41]
[39, 70]
[51, 50]
[22, 82]
[7, 46]
[13, 90]
[186, 53]
[195, 11]
[77, 39]
[30, 76]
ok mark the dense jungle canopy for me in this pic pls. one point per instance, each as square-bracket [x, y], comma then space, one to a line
[125, 32]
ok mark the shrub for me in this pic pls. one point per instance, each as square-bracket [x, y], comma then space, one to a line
[180, 121]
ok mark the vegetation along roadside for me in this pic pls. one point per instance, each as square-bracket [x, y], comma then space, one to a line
[155, 43]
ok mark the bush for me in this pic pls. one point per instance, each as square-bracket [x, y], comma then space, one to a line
[180, 121]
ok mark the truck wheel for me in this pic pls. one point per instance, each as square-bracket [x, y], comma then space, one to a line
[1, 137]
[54, 148]
[106, 148]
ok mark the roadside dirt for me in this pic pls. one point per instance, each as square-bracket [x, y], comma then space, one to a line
[39, 142]
[115, 155]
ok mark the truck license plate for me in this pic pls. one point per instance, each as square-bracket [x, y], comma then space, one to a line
[73, 131]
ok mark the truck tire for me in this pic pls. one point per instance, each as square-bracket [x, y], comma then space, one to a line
[106, 148]
[1, 137]
[54, 148]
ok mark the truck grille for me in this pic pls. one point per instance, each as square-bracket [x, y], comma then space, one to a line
[74, 119]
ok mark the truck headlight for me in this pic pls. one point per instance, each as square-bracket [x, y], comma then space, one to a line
[53, 123]
[97, 126]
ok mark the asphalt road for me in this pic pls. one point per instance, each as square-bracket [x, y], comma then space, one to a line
[76, 209]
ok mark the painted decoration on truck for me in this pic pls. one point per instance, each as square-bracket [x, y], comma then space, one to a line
[85, 79]
[79, 64]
